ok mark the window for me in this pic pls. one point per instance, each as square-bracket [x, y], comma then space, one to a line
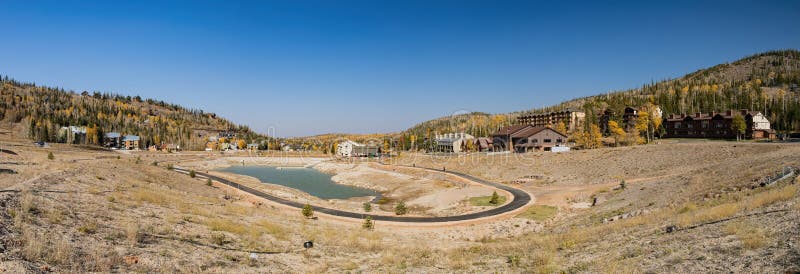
[558, 140]
[704, 124]
[718, 124]
[548, 140]
[677, 124]
[689, 125]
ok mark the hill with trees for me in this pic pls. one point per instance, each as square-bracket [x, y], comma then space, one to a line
[42, 112]
[766, 82]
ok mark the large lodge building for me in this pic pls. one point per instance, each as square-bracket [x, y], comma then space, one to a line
[571, 119]
[717, 125]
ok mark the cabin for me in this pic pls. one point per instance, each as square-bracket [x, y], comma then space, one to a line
[483, 144]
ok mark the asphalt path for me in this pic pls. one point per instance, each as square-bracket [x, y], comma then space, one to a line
[521, 198]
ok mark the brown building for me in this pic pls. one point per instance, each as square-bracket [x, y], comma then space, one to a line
[483, 144]
[524, 138]
[629, 117]
[571, 119]
[717, 125]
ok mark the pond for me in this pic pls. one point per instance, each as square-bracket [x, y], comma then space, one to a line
[309, 180]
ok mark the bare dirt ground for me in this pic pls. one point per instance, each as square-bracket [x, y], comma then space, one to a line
[95, 210]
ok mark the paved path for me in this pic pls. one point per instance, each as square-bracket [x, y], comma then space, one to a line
[521, 198]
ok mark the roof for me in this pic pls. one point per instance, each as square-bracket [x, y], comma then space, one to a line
[528, 132]
[113, 135]
[130, 138]
[709, 116]
[511, 129]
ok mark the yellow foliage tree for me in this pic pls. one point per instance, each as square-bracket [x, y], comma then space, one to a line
[595, 138]
[643, 124]
[561, 127]
[616, 131]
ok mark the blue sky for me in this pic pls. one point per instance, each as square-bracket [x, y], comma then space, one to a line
[310, 67]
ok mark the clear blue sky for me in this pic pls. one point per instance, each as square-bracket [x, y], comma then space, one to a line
[307, 67]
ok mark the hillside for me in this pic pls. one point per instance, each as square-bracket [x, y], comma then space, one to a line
[40, 112]
[767, 82]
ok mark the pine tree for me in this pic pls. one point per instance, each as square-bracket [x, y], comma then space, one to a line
[368, 224]
[495, 198]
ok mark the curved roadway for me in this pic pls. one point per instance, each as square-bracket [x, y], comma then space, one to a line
[521, 198]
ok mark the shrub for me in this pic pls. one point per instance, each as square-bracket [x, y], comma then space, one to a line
[367, 207]
[132, 233]
[622, 184]
[169, 166]
[89, 228]
[138, 159]
[495, 198]
[50, 156]
[154, 163]
[308, 211]
[400, 209]
[218, 239]
[368, 224]
[208, 182]
[192, 174]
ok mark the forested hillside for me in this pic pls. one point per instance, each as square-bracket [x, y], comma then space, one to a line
[767, 82]
[43, 111]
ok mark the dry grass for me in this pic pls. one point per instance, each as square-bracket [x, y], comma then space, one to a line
[772, 196]
[751, 236]
[132, 233]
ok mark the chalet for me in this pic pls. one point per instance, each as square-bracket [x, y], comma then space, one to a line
[571, 118]
[524, 138]
[452, 142]
[538, 139]
[130, 142]
[501, 139]
[717, 125]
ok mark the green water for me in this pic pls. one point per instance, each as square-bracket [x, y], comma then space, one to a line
[308, 180]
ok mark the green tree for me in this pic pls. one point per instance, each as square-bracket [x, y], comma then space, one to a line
[50, 156]
[208, 182]
[400, 209]
[495, 198]
[367, 207]
[308, 211]
[738, 125]
[192, 173]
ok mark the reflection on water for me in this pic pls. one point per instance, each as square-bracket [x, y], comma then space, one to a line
[308, 180]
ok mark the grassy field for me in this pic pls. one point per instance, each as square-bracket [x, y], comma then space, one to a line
[91, 211]
[486, 200]
[539, 212]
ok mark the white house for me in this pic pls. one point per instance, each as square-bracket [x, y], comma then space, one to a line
[452, 142]
[345, 149]
[760, 122]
